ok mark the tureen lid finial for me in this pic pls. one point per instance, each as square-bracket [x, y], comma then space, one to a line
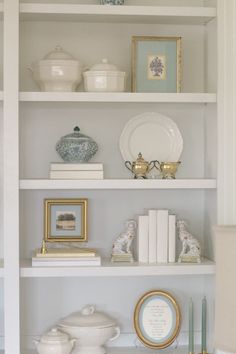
[76, 129]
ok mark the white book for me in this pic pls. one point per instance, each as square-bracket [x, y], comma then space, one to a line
[142, 242]
[62, 166]
[172, 239]
[162, 236]
[152, 236]
[64, 260]
[76, 174]
[65, 253]
[66, 263]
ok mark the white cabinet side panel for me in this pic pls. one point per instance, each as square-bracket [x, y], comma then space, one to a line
[226, 112]
[11, 178]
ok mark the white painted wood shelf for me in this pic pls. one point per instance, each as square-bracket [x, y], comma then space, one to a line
[118, 184]
[117, 97]
[129, 14]
[132, 350]
[108, 269]
[1, 95]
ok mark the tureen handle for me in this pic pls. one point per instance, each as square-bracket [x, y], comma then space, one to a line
[36, 342]
[117, 329]
[88, 310]
[29, 67]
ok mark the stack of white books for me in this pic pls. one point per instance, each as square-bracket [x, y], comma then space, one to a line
[157, 237]
[76, 170]
[56, 257]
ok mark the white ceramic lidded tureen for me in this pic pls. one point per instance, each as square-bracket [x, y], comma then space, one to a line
[57, 71]
[54, 342]
[104, 77]
[92, 330]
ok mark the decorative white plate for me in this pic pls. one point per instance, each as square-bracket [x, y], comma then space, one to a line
[156, 136]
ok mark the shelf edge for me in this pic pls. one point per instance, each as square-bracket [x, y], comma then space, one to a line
[111, 97]
[31, 184]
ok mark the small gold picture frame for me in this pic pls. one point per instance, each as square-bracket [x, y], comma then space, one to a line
[156, 64]
[157, 319]
[65, 220]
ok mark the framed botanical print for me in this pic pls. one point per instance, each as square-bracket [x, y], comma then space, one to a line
[156, 64]
[65, 220]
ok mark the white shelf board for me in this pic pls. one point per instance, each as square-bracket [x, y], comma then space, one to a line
[1, 95]
[108, 269]
[118, 184]
[130, 14]
[132, 350]
[117, 97]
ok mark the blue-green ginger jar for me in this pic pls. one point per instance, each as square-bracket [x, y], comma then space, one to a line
[76, 147]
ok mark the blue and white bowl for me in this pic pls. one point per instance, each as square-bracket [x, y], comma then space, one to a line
[76, 147]
[112, 2]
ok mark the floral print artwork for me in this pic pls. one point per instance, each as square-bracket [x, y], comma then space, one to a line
[156, 67]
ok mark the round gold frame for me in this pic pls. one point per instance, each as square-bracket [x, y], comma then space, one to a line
[176, 330]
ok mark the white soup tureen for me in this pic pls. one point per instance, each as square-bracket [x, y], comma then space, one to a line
[104, 77]
[92, 330]
[57, 71]
[54, 342]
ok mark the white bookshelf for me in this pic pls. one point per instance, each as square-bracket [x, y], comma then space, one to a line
[129, 14]
[122, 97]
[118, 184]
[108, 269]
[202, 117]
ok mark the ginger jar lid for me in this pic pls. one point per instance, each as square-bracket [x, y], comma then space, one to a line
[76, 135]
[88, 317]
[104, 66]
[58, 54]
[54, 335]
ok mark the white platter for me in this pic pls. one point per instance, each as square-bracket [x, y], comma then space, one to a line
[156, 136]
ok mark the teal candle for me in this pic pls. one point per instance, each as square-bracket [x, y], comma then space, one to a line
[191, 328]
[204, 309]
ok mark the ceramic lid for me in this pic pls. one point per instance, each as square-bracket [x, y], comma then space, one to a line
[88, 317]
[54, 335]
[58, 54]
[76, 135]
[104, 66]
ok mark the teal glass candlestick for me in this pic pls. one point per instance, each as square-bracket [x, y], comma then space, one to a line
[191, 328]
[204, 310]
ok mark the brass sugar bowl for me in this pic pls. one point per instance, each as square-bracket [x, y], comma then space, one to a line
[140, 168]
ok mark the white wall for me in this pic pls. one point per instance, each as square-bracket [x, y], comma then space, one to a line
[91, 42]
[114, 296]
[42, 125]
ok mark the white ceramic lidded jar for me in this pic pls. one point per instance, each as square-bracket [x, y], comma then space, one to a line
[57, 71]
[104, 77]
[92, 330]
[54, 342]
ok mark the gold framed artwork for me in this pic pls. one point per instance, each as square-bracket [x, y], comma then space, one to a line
[157, 319]
[65, 220]
[156, 64]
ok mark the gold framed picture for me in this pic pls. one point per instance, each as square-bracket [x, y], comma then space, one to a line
[65, 220]
[157, 319]
[156, 64]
